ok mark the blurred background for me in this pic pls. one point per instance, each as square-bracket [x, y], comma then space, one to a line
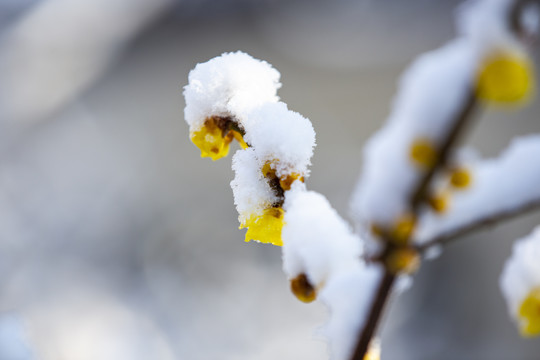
[118, 242]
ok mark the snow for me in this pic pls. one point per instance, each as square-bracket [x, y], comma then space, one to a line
[228, 85]
[316, 240]
[349, 296]
[277, 133]
[252, 194]
[430, 94]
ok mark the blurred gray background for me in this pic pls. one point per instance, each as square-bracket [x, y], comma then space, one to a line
[117, 241]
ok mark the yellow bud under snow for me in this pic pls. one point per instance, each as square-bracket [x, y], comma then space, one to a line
[303, 289]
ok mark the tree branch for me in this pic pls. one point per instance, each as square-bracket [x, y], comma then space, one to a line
[381, 298]
[454, 136]
[418, 198]
[490, 220]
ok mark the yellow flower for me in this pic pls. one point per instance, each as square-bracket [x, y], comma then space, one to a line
[505, 78]
[403, 229]
[439, 202]
[398, 233]
[460, 178]
[302, 289]
[213, 141]
[265, 228]
[423, 153]
[529, 314]
[403, 260]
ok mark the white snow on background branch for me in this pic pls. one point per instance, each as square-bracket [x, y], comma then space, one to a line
[498, 185]
[429, 95]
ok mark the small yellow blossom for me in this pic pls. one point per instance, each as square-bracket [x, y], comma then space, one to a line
[529, 314]
[302, 289]
[213, 141]
[439, 202]
[505, 78]
[265, 228]
[423, 153]
[460, 178]
[399, 233]
[403, 260]
[403, 228]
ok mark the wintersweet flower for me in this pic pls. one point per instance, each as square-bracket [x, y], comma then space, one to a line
[266, 227]
[460, 178]
[439, 202]
[215, 136]
[505, 78]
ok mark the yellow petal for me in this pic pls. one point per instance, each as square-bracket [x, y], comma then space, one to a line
[267, 170]
[439, 202]
[460, 178]
[240, 139]
[265, 228]
[529, 314]
[403, 228]
[286, 181]
[210, 140]
[505, 78]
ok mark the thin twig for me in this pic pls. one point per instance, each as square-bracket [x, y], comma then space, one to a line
[490, 220]
[379, 302]
[454, 136]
